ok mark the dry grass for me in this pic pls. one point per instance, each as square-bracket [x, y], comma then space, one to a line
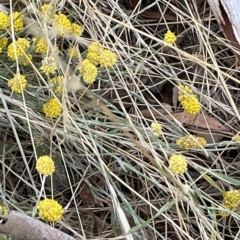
[109, 186]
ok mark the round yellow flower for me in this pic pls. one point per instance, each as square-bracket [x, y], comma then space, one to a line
[17, 21]
[93, 57]
[49, 65]
[46, 8]
[52, 108]
[3, 211]
[50, 210]
[45, 165]
[57, 82]
[3, 43]
[189, 100]
[95, 47]
[4, 21]
[231, 199]
[191, 141]
[73, 52]
[156, 128]
[107, 58]
[41, 45]
[178, 164]
[18, 52]
[88, 71]
[77, 30]
[18, 83]
[47, 12]
[236, 138]
[170, 37]
[26, 60]
[62, 24]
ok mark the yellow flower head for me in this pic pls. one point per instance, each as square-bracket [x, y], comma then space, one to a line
[4, 21]
[107, 58]
[52, 108]
[191, 141]
[189, 100]
[47, 10]
[178, 164]
[93, 57]
[236, 138]
[41, 45]
[45, 165]
[3, 43]
[21, 46]
[50, 210]
[77, 30]
[17, 21]
[156, 128]
[26, 60]
[62, 23]
[231, 199]
[57, 82]
[88, 71]
[3, 211]
[18, 83]
[95, 47]
[170, 37]
[49, 65]
[73, 52]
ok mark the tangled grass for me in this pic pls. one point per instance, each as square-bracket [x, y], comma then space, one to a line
[112, 174]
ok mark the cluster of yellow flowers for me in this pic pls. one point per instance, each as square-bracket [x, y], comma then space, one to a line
[5, 23]
[3, 211]
[18, 21]
[3, 43]
[170, 37]
[49, 209]
[49, 65]
[96, 55]
[73, 52]
[18, 51]
[18, 83]
[178, 164]
[22, 45]
[65, 27]
[57, 84]
[236, 138]
[191, 141]
[41, 45]
[47, 11]
[88, 70]
[60, 22]
[188, 100]
[99, 56]
[157, 129]
[52, 108]
[231, 201]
